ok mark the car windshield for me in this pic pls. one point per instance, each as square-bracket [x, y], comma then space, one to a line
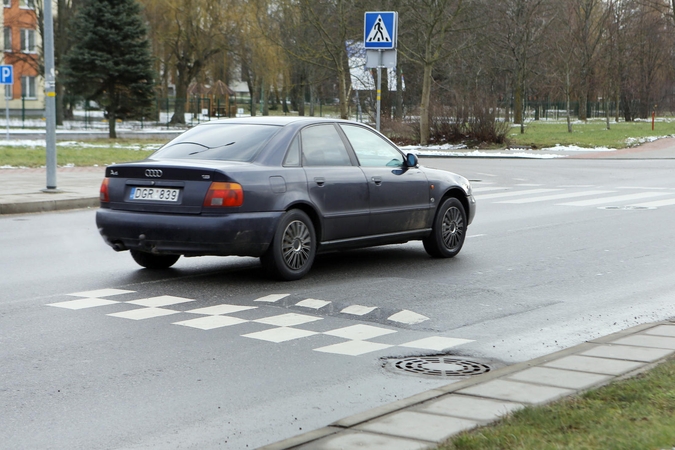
[223, 142]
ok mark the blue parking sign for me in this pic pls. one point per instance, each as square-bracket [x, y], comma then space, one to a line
[380, 30]
[6, 75]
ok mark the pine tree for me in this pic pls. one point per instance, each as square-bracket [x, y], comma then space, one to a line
[110, 62]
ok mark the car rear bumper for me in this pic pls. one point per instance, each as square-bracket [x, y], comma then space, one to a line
[241, 234]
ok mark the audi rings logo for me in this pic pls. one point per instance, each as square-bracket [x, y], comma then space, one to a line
[153, 173]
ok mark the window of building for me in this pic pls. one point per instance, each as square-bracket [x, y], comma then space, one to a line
[8, 39]
[7, 3]
[28, 41]
[27, 4]
[28, 88]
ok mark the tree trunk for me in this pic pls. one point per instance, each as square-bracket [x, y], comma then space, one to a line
[424, 105]
[182, 83]
[398, 104]
[343, 92]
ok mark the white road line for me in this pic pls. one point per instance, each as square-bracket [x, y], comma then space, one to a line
[656, 203]
[514, 193]
[436, 343]
[353, 348]
[408, 317]
[221, 309]
[101, 293]
[288, 320]
[491, 188]
[556, 197]
[144, 313]
[642, 187]
[312, 303]
[358, 310]
[211, 322]
[611, 200]
[359, 332]
[162, 300]
[281, 334]
[83, 303]
[272, 298]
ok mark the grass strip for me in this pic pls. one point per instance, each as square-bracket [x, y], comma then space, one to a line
[90, 153]
[637, 413]
[541, 134]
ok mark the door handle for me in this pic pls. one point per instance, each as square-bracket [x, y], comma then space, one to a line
[320, 181]
[377, 180]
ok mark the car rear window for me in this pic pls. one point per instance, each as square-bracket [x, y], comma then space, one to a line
[222, 142]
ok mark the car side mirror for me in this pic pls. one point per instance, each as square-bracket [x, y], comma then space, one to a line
[411, 160]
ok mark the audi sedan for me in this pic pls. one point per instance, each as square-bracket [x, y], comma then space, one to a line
[282, 189]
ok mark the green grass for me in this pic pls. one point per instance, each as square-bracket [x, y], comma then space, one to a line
[637, 413]
[90, 153]
[590, 134]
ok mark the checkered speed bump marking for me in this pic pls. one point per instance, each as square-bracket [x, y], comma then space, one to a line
[357, 337]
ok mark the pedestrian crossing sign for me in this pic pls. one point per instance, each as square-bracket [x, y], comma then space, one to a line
[380, 30]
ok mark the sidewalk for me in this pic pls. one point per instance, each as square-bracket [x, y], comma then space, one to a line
[427, 419]
[21, 190]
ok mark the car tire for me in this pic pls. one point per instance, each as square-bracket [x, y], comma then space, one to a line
[291, 253]
[448, 231]
[153, 261]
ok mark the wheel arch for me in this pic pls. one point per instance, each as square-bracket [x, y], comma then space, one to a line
[313, 216]
[457, 193]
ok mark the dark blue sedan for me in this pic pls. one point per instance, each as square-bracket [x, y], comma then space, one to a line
[282, 189]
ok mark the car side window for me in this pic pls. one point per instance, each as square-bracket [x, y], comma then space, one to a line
[323, 146]
[371, 149]
[293, 155]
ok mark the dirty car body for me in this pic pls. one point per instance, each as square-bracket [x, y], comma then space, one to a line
[282, 189]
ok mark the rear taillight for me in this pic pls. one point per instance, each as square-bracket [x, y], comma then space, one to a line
[224, 194]
[104, 191]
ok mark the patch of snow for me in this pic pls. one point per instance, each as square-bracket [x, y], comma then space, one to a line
[575, 148]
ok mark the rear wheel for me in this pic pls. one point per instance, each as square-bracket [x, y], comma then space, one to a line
[448, 231]
[153, 261]
[293, 247]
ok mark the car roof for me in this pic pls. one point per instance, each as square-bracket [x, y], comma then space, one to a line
[276, 120]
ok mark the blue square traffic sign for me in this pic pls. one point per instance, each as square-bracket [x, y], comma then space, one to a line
[6, 75]
[380, 30]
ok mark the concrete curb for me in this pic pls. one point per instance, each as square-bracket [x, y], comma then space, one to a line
[48, 205]
[403, 424]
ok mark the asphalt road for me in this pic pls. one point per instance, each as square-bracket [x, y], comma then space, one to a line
[581, 250]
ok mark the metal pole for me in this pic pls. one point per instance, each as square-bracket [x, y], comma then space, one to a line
[50, 95]
[379, 88]
[7, 112]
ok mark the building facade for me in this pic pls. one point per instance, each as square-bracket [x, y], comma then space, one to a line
[20, 44]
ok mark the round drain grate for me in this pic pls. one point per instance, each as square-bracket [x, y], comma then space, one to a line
[441, 366]
[626, 208]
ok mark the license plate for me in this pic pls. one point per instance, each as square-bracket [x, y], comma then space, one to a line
[156, 194]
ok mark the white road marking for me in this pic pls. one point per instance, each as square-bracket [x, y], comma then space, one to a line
[656, 203]
[556, 196]
[211, 322]
[312, 303]
[611, 200]
[408, 317]
[281, 334]
[352, 348]
[101, 293]
[358, 310]
[221, 309]
[83, 303]
[490, 188]
[272, 298]
[514, 193]
[162, 300]
[288, 320]
[359, 332]
[642, 187]
[436, 343]
[144, 313]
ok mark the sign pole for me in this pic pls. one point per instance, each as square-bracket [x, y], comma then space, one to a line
[379, 89]
[50, 97]
[7, 115]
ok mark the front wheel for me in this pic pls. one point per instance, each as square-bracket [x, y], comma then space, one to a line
[292, 251]
[153, 261]
[448, 231]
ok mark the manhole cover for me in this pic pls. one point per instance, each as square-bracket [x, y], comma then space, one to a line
[441, 366]
[626, 208]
